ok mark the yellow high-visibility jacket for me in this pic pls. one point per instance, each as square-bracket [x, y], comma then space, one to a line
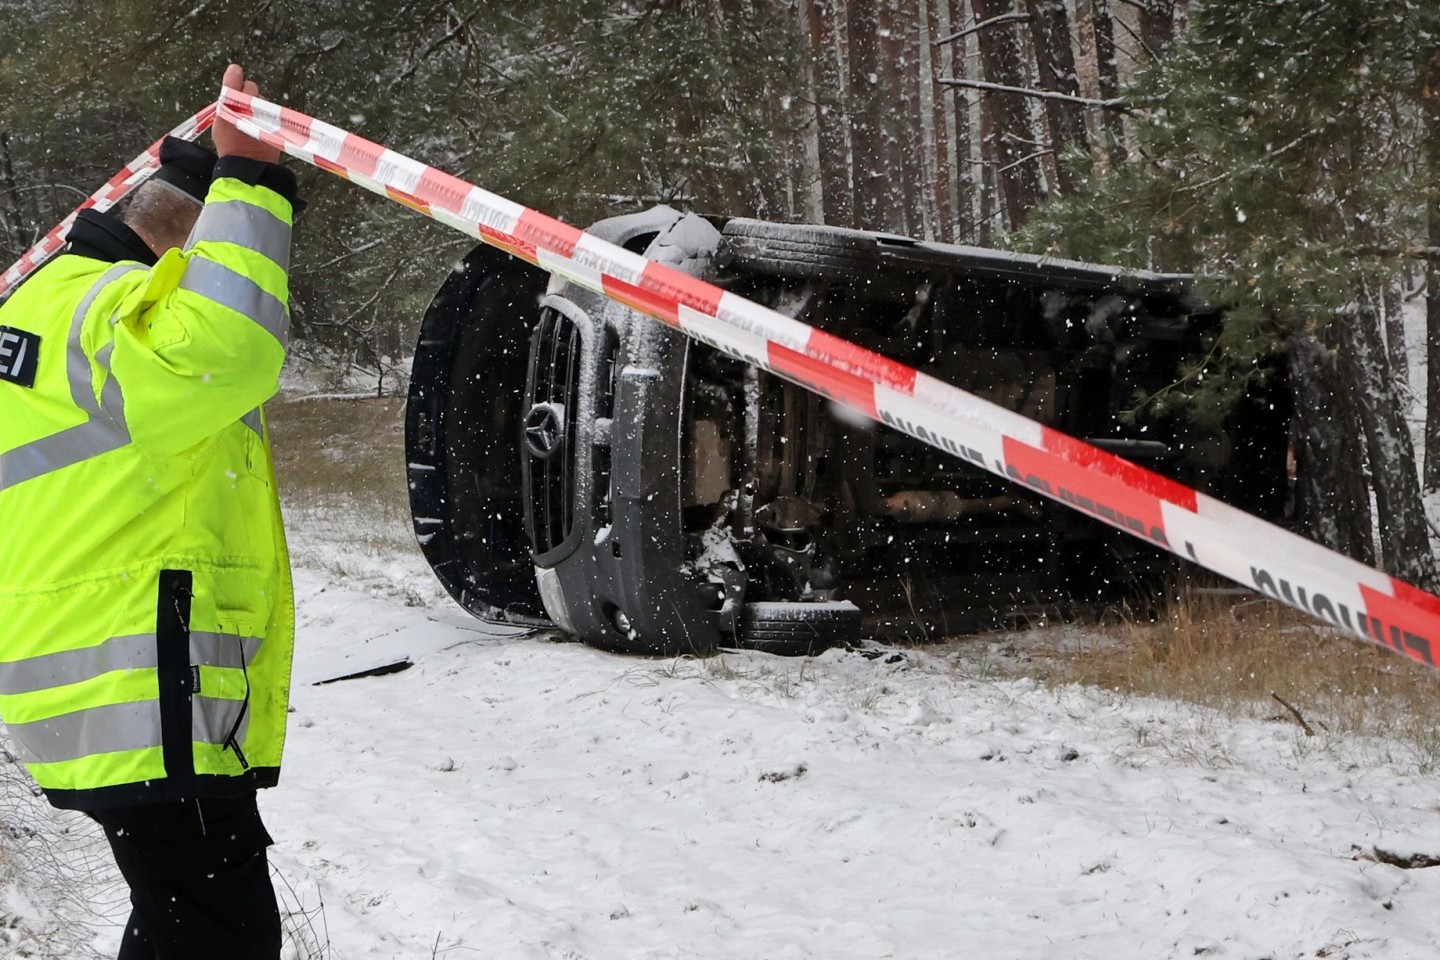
[146, 608]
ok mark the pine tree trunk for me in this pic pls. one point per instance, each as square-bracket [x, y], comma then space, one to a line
[1430, 99]
[867, 137]
[1157, 25]
[1332, 499]
[838, 200]
[937, 24]
[1404, 534]
[914, 147]
[1018, 171]
[1394, 300]
[988, 205]
[1107, 71]
[1432, 340]
[898, 112]
[1055, 67]
[965, 170]
[808, 196]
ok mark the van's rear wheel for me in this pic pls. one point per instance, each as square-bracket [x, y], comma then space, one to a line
[798, 629]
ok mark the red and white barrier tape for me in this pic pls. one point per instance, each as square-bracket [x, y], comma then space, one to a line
[117, 188]
[1335, 589]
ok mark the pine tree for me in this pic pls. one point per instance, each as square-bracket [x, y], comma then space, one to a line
[1274, 153]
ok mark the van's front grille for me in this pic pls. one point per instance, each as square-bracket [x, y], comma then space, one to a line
[552, 405]
[609, 374]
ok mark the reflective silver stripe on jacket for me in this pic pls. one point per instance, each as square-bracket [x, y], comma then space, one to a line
[223, 649]
[122, 726]
[59, 450]
[133, 652]
[211, 720]
[85, 733]
[253, 421]
[244, 224]
[217, 282]
[77, 365]
[103, 431]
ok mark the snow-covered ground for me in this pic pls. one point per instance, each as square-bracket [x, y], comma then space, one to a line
[518, 797]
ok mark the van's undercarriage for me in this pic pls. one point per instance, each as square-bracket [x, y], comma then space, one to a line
[572, 461]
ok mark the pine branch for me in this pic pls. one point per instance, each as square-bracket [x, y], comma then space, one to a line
[1417, 251]
[1294, 713]
[1026, 159]
[992, 22]
[167, 32]
[49, 186]
[451, 34]
[346, 256]
[1119, 103]
[1250, 168]
[1137, 38]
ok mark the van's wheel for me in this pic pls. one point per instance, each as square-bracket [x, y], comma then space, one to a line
[798, 251]
[798, 629]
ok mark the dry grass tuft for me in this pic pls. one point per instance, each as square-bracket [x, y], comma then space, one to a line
[1248, 656]
[69, 887]
[340, 465]
[351, 449]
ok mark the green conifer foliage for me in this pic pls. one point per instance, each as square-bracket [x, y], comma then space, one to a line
[1278, 151]
[581, 108]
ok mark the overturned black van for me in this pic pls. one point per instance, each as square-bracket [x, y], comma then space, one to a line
[574, 463]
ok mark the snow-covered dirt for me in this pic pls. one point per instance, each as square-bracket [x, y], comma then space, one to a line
[527, 798]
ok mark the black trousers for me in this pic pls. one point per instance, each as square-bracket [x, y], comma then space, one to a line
[199, 881]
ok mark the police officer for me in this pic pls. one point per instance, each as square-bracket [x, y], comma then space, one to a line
[146, 611]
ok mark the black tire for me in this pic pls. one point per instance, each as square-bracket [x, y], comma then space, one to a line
[798, 629]
[818, 235]
[798, 251]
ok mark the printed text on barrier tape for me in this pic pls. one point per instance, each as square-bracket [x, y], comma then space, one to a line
[117, 188]
[1362, 601]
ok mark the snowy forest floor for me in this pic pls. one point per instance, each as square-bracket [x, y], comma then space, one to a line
[1071, 792]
